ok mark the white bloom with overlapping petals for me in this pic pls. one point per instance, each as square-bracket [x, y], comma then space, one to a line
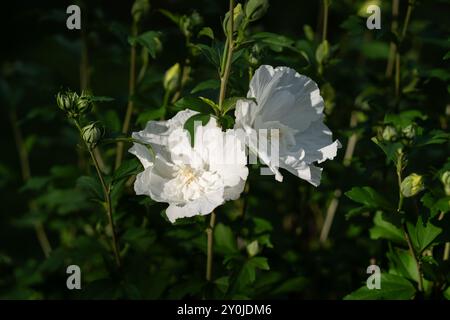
[283, 99]
[192, 180]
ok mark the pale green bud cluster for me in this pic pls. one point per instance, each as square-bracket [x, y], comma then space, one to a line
[73, 104]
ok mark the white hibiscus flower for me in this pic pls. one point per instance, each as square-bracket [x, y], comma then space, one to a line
[291, 103]
[192, 180]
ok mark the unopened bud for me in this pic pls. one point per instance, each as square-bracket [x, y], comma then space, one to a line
[256, 9]
[66, 101]
[389, 133]
[91, 134]
[255, 55]
[238, 17]
[445, 179]
[73, 104]
[409, 131]
[412, 185]
[139, 8]
[83, 104]
[253, 248]
[172, 78]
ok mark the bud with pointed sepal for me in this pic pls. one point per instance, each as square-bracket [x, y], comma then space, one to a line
[91, 134]
[412, 185]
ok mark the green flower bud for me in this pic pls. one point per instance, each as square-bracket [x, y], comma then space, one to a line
[412, 185]
[255, 55]
[73, 104]
[256, 9]
[445, 179]
[66, 101]
[253, 248]
[238, 17]
[91, 134]
[172, 78]
[83, 104]
[389, 133]
[188, 23]
[409, 131]
[139, 8]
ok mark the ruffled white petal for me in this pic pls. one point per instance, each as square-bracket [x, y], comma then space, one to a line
[192, 180]
[292, 104]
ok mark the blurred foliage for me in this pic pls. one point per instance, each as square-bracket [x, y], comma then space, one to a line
[277, 240]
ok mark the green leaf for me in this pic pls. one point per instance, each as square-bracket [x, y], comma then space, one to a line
[173, 17]
[100, 99]
[191, 123]
[385, 230]
[423, 234]
[274, 41]
[149, 40]
[207, 32]
[297, 284]
[35, 183]
[402, 264]
[405, 118]
[210, 103]
[224, 240]
[436, 206]
[355, 212]
[192, 103]
[368, 197]
[127, 169]
[226, 122]
[139, 238]
[212, 84]
[390, 149]
[150, 114]
[91, 185]
[447, 293]
[375, 49]
[261, 225]
[259, 263]
[210, 53]
[433, 137]
[392, 288]
[247, 273]
[230, 104]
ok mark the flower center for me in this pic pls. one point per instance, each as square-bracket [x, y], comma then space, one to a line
[187, 174]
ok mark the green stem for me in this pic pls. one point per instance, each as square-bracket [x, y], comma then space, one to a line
[393, 46]
[407, 18]
[229, 55]
[325, 20]
[107, 197]
[397, 55]
[223, 86]
[41, 235]
[210, 235]
[400, 166]
[131, 90]
[397, 77]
